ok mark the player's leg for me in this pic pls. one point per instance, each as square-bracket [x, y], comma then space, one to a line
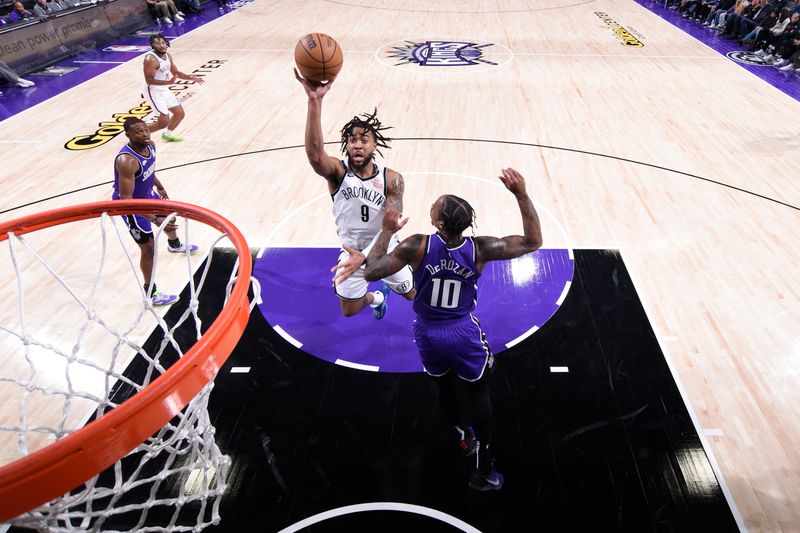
[353, 293]
[401, 282]
[141, 231]
[177, 116]
[451, 401]
[472, 359]
[434, 343]
[484, 476]
[174, 244]
[157, 98]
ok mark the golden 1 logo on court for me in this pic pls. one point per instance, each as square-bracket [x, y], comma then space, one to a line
[453, 55]
[108, 129]
[626, 36]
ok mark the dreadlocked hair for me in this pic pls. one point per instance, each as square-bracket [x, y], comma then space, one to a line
[457, 215]
[371, 123]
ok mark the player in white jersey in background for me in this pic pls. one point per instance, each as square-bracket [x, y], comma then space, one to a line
[362, 190]
[160, 72]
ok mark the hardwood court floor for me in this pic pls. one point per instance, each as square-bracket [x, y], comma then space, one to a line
[668, 152]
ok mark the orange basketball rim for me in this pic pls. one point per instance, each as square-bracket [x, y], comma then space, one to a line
[56, 469]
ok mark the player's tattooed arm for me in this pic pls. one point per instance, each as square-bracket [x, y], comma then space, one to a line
[380, 264]
[494, 248]
[394, 191]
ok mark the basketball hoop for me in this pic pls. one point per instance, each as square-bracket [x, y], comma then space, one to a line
[158, 404]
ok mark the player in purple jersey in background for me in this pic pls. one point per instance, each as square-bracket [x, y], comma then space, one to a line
[446, 268]
[135, 177]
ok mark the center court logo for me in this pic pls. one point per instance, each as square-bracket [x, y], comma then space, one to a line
[443, 54]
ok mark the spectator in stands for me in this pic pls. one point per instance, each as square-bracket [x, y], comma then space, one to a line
[793, 64]
[165, 9]
[192, 6]
[789, 41]
[762, 27]
[43, 9]
[8, 74]
[766, 41]
[739, 25]
[18, 12]
[732, 16]
[221, 5]
[716, 17]
[704, 9]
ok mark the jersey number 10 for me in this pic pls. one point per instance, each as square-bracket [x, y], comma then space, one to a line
[445, 293]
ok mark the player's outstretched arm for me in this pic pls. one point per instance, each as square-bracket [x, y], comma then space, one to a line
[409, 252]
[494, 248]
[326, 166]
[182, 75]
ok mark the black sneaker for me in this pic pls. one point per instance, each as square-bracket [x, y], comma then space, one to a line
[468, 442]
[486, 482]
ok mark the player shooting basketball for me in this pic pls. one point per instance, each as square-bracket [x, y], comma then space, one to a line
[362, 190]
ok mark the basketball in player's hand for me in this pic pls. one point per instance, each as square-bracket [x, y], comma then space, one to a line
[318, 56]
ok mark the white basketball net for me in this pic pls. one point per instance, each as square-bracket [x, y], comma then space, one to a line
[175, 479]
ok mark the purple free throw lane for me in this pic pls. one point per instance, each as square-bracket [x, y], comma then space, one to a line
[513, 297]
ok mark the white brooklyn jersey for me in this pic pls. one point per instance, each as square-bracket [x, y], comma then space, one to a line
[358, 206]
[163, 72]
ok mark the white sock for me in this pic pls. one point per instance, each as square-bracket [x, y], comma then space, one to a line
[377, 299]
[169, 131]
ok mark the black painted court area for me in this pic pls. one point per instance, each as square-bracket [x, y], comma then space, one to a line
[607, 446]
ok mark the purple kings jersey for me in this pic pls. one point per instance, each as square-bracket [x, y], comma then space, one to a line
[446, 281]
[145, 176]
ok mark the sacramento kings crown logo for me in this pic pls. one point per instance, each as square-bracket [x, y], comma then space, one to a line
[440, 54]
[748, 58]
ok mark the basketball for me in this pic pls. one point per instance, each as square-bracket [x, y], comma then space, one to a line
[318, 57]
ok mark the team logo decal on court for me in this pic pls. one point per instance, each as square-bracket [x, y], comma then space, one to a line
[748, 58]
[110, 128]
[626, 36]
[432, 53]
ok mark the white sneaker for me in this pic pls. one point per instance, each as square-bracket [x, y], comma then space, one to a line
[25, 83]
[179, 17]
[788, 67]
[780, 63]
[166, 21]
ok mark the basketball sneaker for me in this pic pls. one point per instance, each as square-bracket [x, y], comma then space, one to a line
[380, 311]
[159, 298]
[182, 249]
[171, 137]
[486, 482]
[468, 442]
